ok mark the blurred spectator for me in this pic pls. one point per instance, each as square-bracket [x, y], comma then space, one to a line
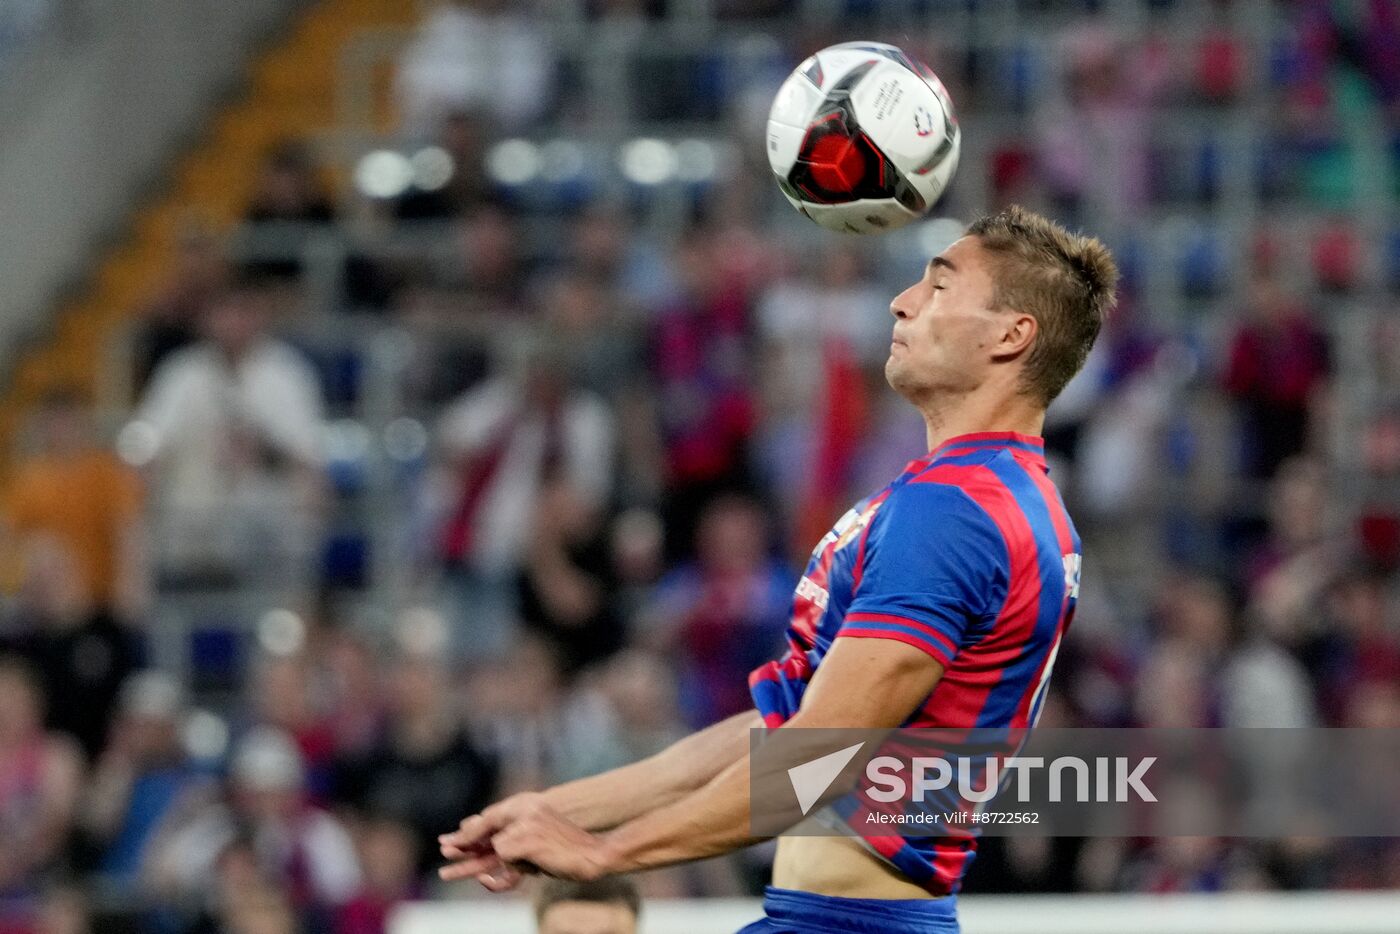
[170, 320]
[567, 583]
[702, 364]
[1220, 66]
[1278, 360]
[636, 540]
[64, 910]
[88, 502]
[580, 313]
[284, 692]
[724, 613]
[1093, 141]
[231, 430]
[294, 841]
[1287, 570]
[388, 854]
[519, 706]
[600, 247]
[243, 898]
[464, 136]
[500, 442]
[356, 708]
[1356, 645]
[40, 780]
[290, 840]
[475, 54]
[608, 906]
[1361, 36]
[79, 652]
[484, 272]
[287, 200]
[826, 336]
[144, 782]
[287, 190]
[628, 712]
[426, 772]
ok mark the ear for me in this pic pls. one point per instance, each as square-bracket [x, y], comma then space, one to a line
[1017, 334]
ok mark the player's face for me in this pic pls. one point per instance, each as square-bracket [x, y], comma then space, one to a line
[588, 918]
[945, 326]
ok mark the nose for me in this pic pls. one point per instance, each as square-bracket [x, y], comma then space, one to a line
[903, 305]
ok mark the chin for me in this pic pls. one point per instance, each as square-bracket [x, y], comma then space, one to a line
[899, 378]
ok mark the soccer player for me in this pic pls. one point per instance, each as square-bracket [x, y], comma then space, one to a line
[939, 602]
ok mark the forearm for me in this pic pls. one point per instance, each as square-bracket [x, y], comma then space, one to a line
[708, 822]
[717, 818]
[607, 800]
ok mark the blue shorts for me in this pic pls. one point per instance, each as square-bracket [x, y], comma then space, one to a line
[789, 912]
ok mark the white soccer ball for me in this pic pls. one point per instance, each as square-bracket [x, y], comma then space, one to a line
[862, 137]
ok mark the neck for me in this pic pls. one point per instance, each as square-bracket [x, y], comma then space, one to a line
[972, 415]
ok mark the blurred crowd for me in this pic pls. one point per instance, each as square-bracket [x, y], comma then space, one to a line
[607, 452]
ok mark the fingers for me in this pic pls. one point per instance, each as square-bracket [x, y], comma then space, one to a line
[469, 866]
[478, 828]
[473, 831]
[474, 848]
[502, 880]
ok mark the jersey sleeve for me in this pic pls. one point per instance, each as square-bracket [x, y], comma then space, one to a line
[934, 572]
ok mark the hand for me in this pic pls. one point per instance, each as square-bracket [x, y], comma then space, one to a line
[523, 834]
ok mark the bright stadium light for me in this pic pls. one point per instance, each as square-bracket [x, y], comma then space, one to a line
[205, 735]
[281, 632]
[696, 160]
[423, 632]
[513, 161]
[432, 168]
[561, 160]
[648, 161]
[383, 174]
[137, 443]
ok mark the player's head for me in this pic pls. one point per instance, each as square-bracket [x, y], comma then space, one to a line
[1013, 306]
[607, 906]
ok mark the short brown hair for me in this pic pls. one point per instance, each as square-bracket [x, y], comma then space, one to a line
[610, 890]
[1066, 281]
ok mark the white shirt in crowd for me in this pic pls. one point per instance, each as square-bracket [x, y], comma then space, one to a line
[200, 408]
[475, 421]
[463, 59]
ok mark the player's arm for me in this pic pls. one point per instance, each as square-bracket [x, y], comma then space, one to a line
[603, 801]
[606, 800]
[920, 593]
[862, 683]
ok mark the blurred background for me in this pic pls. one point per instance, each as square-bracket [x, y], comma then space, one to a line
[403, 404]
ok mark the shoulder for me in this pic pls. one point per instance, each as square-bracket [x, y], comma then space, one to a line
[933, 520]
[937, 498]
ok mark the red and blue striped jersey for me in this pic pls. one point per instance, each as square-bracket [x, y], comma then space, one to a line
[970, 556]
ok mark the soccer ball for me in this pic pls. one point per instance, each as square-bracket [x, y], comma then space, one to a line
[862, 137]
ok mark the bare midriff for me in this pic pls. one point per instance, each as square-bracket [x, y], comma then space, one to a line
[839, 866]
